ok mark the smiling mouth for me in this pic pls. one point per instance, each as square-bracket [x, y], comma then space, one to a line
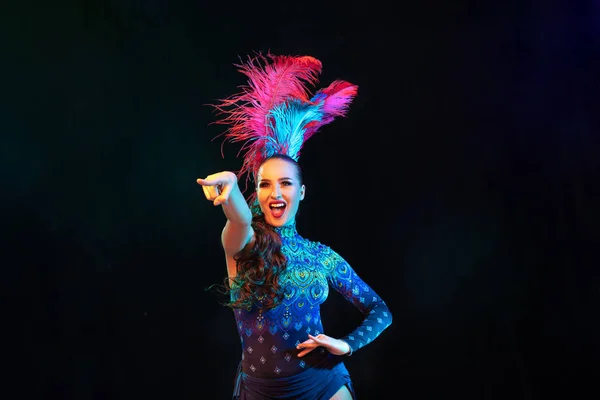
[277, 209]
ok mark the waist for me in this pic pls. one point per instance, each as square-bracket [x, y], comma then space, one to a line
[269, 366]
[308, 380]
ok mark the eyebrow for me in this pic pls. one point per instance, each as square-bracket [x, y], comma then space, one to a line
[280, 179]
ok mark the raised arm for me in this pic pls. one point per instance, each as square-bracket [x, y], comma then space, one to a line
[222, 189]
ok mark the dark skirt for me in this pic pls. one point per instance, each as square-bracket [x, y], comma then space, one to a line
[316, 383]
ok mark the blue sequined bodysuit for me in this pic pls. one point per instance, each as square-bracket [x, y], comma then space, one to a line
[269, 338]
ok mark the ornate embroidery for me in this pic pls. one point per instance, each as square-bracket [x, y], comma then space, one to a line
[312, 268]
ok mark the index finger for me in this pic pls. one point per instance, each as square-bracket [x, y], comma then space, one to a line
[208, 182]
[317, 339]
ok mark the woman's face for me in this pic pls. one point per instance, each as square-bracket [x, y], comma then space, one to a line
[279, 191]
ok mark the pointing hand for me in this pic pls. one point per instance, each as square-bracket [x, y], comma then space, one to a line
[217, 187]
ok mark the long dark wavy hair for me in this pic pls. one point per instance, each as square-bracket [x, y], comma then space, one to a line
[260, 263]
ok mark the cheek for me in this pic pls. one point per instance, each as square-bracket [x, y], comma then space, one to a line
[296, 198]
[263, 198]
[262, 201]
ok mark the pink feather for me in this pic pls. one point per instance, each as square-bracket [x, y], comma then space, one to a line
[247, 112]
[336, 100]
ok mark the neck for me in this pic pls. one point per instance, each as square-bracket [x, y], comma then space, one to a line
[288, 230]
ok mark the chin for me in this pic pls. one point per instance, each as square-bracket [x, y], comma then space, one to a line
[277, 222]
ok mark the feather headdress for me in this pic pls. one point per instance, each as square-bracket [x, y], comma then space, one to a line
[275, 112]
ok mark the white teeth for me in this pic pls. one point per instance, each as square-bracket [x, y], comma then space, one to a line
[278, 205]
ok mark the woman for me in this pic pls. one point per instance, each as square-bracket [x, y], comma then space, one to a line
[278, 279]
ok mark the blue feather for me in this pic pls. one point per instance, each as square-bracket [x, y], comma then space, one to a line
[288, 122]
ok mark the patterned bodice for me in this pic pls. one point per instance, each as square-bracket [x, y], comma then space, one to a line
[269, 338]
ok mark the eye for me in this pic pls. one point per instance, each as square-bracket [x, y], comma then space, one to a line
[286, 183]
[263, 184]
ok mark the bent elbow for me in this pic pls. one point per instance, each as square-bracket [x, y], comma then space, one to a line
[388, 314]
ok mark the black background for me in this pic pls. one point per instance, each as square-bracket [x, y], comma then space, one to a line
[462, 186]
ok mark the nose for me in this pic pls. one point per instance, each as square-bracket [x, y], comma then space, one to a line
[276, 193]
